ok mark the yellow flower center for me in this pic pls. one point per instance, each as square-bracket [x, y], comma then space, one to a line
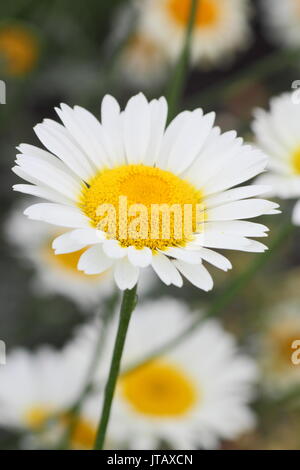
[159, 389]
[296, 161]
[84, 433]
[206, 15]
[151, 207]
[18, 50]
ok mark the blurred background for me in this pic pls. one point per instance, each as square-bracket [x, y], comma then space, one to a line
[75, 52]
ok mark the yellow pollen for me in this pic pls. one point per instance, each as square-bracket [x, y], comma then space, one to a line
[18, 50]
[83, 437]
[146, 186]
[296, 161]
[207, 12]
[159, 389]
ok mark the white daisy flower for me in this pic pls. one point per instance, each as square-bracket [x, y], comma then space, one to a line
[277, 132]
[130, 163]
[221, 27]
[277, 347]
[142, 62]
[283, 20]
[37, 391]
[192, 396]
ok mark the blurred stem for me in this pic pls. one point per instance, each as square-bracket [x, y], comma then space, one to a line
[177, 82]
[260, 69]
[127, 307]
[221, 302]
[75, 409]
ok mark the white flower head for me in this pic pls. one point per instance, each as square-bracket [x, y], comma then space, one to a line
[112, 183]
[277, 132]
[283, 21]
[143, 63]
[38, 390]
[221, 27]
[191, 396]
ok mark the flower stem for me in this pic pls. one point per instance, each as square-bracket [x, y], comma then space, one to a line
[235, 286]
[177, 82]
[127, 307]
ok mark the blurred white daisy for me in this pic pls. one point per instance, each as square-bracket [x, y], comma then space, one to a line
[283, 20]
[131, 156]
[37, 391]
[55, 274]
[221, 27]
[277, 347]
[143, 62]
[277, 132]
[193, 396]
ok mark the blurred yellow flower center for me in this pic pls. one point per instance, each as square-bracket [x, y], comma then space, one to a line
[18, 50]
[39, 416]
[207, 12]
[296, 161]
[68, 262]
[142, 46]
[159, 389]
[282, 338]
[176, 203]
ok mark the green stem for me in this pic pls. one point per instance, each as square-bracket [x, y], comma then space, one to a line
[127, 307]
[262, 68]
[177, 82]
[235, 286]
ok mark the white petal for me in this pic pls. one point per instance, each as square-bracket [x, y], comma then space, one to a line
[196, 274]
[112, 122]
[83, 135]
[66, 244]
[296, 214]
[245, 209]
[255, 247]
[189, 141]
[113, 249]
[220, 240]
[235, 194]
[137, 128]
[166, 270]
[94, 261]
[47, 174]
[126, 275]
[170, 136]
[57, 139]
[43, 193]
[216, 259]
[57, 214]
[158, 116]
[236, 227]
[88, 236]
[141, 258]
[184, 255]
